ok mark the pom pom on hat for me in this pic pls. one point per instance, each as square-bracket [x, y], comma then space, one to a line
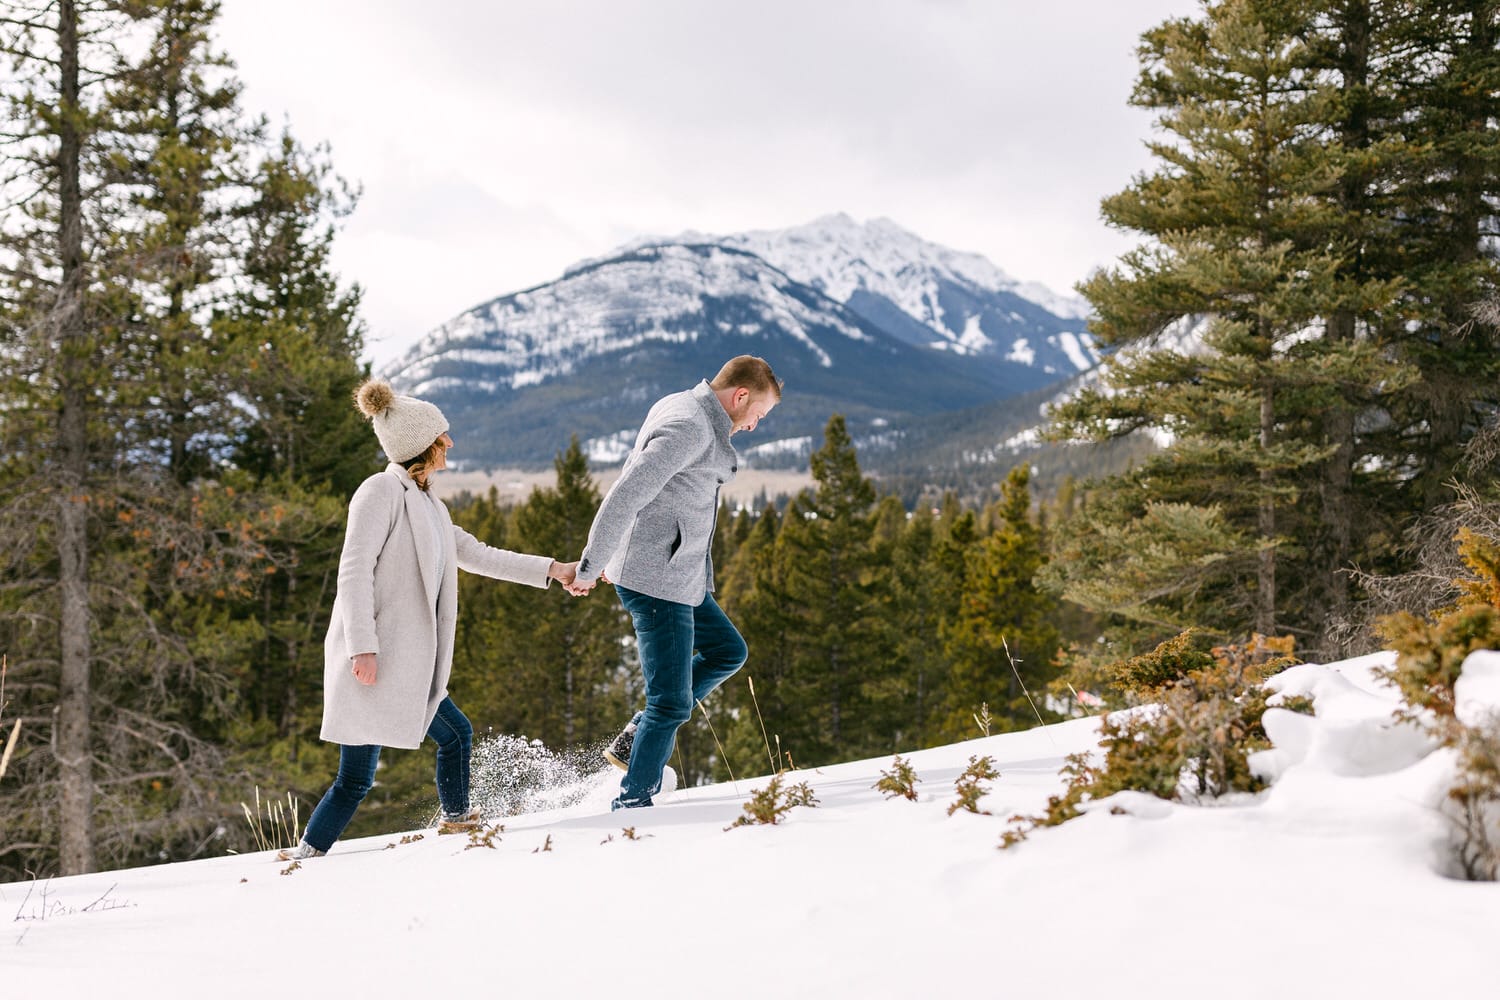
[373, 397]
[404, 425]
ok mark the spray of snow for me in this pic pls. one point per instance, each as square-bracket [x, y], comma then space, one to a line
[512, 776]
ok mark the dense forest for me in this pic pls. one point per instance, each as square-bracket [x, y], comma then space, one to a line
[178, 445]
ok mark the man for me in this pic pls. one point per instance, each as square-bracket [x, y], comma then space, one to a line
[651, 539]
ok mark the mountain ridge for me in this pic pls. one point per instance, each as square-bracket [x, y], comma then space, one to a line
[921, 330]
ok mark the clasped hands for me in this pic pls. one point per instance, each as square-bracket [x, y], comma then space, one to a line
[567, 575]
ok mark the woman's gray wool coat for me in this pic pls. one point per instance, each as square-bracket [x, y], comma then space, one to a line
[390, 602]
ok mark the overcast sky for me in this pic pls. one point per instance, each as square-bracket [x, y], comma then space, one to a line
[497, 142]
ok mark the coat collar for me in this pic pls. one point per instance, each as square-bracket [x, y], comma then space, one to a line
[718, 417]
[419, 518]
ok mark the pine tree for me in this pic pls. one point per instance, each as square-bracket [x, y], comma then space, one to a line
[826, 555]
[117, 263]
[752, 591]
[1437, 64]
[55, 249]
[293, 332]
[1001, 638]
[892, 690]
[1248, 231]
[916, 611]
[182, 168]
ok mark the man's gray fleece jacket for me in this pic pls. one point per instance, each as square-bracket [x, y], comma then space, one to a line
[653, 532]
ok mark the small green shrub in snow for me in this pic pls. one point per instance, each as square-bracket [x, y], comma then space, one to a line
[900, 780]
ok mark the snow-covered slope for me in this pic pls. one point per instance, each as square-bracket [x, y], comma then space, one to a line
[1329, 884]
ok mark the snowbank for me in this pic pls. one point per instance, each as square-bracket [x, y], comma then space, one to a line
[1326, 885]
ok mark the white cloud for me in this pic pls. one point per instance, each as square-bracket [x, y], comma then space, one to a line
[498, 143]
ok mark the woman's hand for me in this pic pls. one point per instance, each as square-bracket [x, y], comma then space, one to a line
[364, 668]
[563, 573]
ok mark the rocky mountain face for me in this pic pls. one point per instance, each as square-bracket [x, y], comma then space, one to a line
[866, 320]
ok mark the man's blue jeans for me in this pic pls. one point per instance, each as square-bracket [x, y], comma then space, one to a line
[686, 652]
[455, 738]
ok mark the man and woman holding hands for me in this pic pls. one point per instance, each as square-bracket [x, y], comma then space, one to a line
[389, 649]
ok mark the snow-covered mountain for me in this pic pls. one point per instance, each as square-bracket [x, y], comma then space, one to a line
[925, 293]
[864, 320]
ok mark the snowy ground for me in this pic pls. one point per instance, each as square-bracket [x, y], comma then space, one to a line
[1328, 885]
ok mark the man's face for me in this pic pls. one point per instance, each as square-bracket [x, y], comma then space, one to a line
[750, 409]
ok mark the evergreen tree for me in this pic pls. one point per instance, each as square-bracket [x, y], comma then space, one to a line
[753, 593]
[293, 332]
[122, 422]
[1247, 230]
[56, 312]
[1001, 639]
[1435, 64]
[892, 691]
[182, 168]
[916, 611]
[825, 553]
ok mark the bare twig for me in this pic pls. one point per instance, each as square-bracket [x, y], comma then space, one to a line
[770, 758]
[722, 755]
[15, 733]
[101, 899]
[1027, 693]
[10, 747]
[1017, 672]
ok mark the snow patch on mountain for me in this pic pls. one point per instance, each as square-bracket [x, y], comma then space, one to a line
[1079, 350]
[776, 449]
[653, 295]
[842, 257]
[973, 337]
[609, 450]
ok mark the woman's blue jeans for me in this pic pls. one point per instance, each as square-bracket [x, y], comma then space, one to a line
[455, 738]
[686, 652]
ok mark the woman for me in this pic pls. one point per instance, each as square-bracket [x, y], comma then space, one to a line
[389, 649]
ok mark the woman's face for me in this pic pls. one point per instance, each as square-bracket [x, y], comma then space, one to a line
[442, 456]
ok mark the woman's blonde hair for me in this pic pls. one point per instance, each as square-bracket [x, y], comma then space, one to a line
[421, 466]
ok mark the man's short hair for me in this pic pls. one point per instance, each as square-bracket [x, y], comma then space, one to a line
[748, 372]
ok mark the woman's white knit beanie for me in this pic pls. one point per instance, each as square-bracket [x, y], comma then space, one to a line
[405, 426]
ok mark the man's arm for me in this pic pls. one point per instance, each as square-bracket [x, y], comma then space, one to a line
[667, 452]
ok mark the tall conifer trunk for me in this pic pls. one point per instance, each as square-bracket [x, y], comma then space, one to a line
[1463, 203]
[1336, 484]
[74, 723]
[1473, 180]
[1265, 596]
[1337, 509]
